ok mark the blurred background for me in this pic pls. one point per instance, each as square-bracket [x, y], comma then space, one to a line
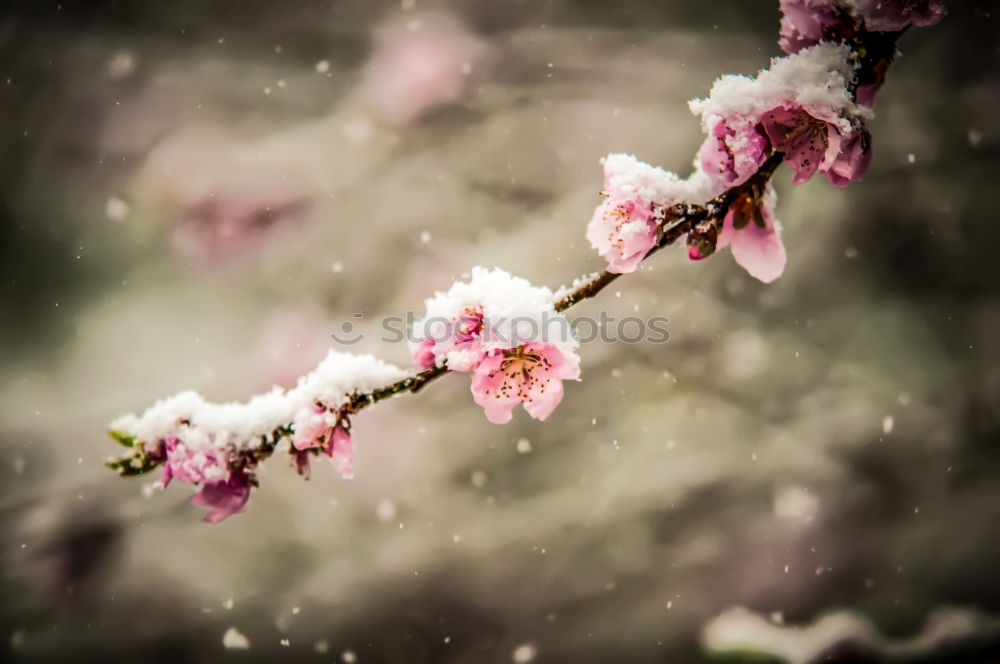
[196, 194]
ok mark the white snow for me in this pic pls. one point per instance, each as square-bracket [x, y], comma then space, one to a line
[215, 426]
[514, 312]
[627, 176]
[815, 78]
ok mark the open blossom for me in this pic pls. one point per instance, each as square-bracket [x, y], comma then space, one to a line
[623, 227]
[195, 459]
[754, 237]
[508, 333]
[733, 151]
[328, 432]
[492, 311]
[800, 107]
[812, 143]
[530, 375]
[853, 157]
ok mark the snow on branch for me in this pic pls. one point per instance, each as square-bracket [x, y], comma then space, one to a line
[808, 109]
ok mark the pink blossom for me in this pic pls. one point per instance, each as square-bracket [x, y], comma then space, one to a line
[852, 159]
[623, 228]
[192, 463]
[316, 431]
[893, 15]
[531, 375]
[755, 239]
[460, 341]
[225, 484]
[733, 151]
[423, 354]
[805, 23]
[623, 231]
[224, 498]
[811, 143]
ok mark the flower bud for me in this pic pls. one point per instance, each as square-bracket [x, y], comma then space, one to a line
[701, 241]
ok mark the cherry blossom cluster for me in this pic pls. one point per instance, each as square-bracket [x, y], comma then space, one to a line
[808, 109]
[805, 23]
[508, 334]
[801, 107]
[217, 446]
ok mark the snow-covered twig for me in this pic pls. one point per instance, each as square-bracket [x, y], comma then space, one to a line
[809, 109]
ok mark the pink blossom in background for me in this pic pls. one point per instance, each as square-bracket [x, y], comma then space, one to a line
[757, 248]
[530, 375]
[225, 226]
[419, 63]
[289, 344]
[892, 15]
[733, 151]
[225, 498]
[327, 432]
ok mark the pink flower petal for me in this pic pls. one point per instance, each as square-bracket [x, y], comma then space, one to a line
[342, 453]
[223, 498]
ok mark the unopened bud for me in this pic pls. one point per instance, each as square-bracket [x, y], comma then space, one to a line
[701, 241]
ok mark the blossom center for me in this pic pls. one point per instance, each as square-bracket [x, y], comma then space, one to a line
[523, 370]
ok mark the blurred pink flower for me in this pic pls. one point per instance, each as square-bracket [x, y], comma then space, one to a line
[228, 225]
[224, 498]
[423, 354]
[315, 431]
[531, 375]
[290, 343]
[192, 464]
[419, 64]
[805, 23]
[892, 15]
[225, 487]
